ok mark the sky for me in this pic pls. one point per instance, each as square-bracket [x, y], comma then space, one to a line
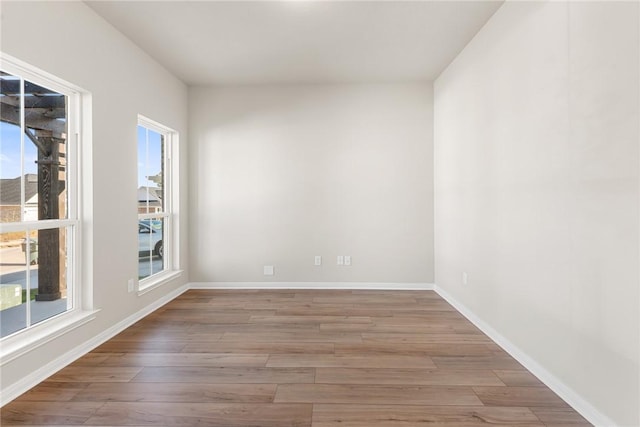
[10, 152]
[149, 154]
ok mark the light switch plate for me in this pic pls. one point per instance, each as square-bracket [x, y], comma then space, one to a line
[347, 260]
[340, 260]
[318, 260]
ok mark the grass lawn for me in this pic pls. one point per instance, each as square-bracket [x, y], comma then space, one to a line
[33, 295]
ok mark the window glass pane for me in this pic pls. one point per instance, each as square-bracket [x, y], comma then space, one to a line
[158, 249]
[10, 149]
[151, 200]
[13, 282]
[52, 294]
[35, 264]
[150, 247]
[45, 116]
[150, 171]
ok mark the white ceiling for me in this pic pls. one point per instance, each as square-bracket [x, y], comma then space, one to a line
[239, 42]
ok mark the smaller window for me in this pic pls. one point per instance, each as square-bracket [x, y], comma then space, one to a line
[156, 229]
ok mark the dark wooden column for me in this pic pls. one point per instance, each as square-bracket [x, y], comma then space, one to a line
[48, 208]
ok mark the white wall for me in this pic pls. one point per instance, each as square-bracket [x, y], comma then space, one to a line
[68, 40]
[282, 173]
[536, 189]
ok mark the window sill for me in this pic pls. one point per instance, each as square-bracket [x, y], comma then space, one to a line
[158, 280]
[30, 339]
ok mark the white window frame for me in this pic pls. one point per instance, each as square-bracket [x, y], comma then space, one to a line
[79, 198]
[169, 214]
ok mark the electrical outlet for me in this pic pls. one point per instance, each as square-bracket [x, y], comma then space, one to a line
[130, 285]
[268, 270]
[318, 260]
[340, 260]
[347, 260]
[465, 278]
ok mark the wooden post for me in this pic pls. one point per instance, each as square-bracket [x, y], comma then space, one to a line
[48, 208]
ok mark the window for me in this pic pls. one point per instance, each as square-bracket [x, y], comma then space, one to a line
[39, 209]
[156, 257]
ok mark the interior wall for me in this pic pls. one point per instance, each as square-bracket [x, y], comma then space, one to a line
[536, 189]
[280, 174]
[68, 40]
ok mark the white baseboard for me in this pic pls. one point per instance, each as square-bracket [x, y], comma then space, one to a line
[314, 285]
[565, 392]
[44, 372]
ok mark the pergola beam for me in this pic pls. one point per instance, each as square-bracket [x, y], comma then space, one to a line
[34, 118]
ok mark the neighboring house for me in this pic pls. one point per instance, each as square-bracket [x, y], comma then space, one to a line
[149, 199]
[10, 199]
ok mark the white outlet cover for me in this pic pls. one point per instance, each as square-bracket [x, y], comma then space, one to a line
[347, 260]
[318, 260]
[268, 270]
[465, 278]
[340, 260]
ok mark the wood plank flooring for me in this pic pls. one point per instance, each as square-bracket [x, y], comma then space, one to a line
[321, 358]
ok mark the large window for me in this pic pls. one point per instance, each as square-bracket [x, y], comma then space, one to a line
[39, 219]
[155, 216]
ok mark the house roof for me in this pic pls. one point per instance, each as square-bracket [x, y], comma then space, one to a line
[149, 194]
[10, 189]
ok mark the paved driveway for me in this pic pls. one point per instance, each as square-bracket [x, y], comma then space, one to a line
[13, 267]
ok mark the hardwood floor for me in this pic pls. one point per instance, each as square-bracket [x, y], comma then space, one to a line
[320, 358]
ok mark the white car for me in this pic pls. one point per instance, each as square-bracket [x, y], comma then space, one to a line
[150, 238]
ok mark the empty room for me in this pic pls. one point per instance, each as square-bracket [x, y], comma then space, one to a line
[348, 213]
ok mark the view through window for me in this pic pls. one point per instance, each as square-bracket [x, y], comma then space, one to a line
[154, 204]
[38, 221]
